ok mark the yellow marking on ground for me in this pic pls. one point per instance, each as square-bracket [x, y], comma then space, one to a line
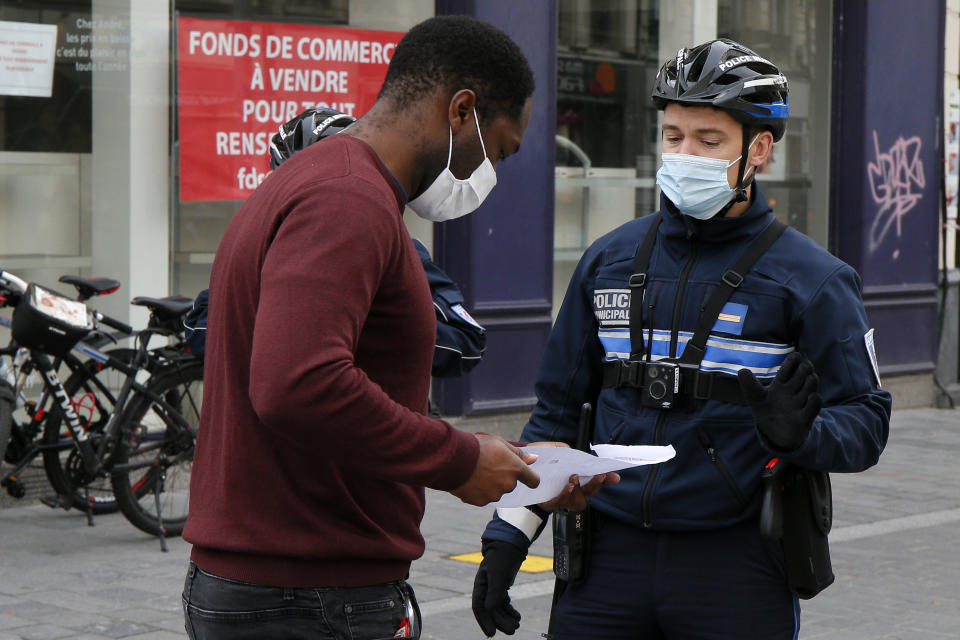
[533, 564]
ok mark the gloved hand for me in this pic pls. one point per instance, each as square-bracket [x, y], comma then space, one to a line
[491, 604]
[785, 408]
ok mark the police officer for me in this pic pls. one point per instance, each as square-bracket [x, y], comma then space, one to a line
[784, 368]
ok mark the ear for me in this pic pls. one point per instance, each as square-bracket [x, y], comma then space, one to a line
[460, 109]
[761, 150]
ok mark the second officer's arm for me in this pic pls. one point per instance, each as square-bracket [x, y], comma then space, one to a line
[569, 375]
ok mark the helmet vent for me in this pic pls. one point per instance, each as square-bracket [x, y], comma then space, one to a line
[695, 69]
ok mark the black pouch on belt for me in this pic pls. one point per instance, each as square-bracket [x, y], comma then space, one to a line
[571, 529]
[798, 510]
[571, 539]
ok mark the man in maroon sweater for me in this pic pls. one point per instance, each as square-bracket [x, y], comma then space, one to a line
[314, 445]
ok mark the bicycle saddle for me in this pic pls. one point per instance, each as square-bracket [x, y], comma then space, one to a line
[165, 308]
[89, 287]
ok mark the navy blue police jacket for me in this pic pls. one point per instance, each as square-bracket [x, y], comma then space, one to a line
[461, 340]
[797, 296]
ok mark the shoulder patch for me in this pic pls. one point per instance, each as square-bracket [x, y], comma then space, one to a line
[872, 353]
[731, 319]
[612, 307]
[466, 317]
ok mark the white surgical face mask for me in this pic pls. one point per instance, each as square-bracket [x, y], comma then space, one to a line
[698, 186]
[448, 197]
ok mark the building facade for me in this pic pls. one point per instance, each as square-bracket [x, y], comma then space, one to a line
[92, 164]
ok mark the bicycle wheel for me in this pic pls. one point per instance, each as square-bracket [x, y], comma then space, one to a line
[154, 458]
[8, 402]
[94, 389]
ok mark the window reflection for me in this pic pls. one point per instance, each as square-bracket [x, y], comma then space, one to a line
[794, 35]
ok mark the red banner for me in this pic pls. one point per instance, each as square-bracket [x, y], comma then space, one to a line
[238, 81]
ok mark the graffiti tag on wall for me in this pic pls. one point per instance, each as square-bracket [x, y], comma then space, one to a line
[896, 184]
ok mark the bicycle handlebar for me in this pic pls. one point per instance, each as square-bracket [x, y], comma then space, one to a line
[114, 324]
[13, 281]
[21, 286]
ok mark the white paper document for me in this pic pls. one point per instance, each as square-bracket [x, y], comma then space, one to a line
[555, 465]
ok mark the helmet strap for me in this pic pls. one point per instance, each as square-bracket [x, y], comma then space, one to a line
[741, 188]
[740, 194]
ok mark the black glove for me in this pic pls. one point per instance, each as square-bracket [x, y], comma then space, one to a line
[785, 408]
[491, 604]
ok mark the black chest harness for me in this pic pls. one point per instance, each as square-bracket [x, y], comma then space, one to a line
[692, 384]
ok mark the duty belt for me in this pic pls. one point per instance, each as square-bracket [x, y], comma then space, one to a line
[705, 385]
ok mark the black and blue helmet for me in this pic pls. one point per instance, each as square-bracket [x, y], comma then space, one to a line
[729, 76]
[307, 128]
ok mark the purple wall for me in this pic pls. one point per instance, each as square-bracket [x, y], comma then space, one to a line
[502, 255]
[886, 149]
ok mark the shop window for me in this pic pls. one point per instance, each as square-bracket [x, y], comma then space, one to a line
[198, 226]
[606, 126]
[45, 138]
[327, 11]
[60, 122]
[795, 35]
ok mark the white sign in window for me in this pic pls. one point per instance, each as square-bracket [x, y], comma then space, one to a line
[26, 58]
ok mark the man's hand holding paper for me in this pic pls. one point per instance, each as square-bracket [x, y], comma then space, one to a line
[556, 466]
[574, 495]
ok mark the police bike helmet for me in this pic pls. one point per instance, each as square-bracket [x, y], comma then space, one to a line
[727, 75]
[307, 128]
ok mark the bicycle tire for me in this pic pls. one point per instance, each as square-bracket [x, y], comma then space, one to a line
[57, 461]
[8, 402]
[154, 458]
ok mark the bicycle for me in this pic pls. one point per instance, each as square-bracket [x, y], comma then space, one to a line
[25, 439]
[144, 441]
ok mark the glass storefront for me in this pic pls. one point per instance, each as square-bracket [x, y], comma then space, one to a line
[89, 167]
[62, 154]
[198, 226]
[796, 36]
[606, 129]
[45, 139]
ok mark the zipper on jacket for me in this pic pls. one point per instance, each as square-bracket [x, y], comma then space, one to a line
[718, 463]
[678, 303]
[674, 330]
[617, 432]
[648, 490]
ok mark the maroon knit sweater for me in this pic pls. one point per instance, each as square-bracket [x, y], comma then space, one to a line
[314, 446]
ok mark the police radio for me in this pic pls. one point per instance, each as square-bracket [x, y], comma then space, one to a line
[571, 529]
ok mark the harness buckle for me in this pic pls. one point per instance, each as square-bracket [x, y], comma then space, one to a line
[732, 278]
[638, 280]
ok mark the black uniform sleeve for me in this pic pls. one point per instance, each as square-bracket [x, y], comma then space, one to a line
[851, 429]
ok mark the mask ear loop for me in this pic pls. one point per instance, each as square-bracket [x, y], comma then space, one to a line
[450, 147]
[482, 148]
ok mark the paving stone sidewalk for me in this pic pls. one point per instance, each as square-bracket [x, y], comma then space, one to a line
[894, 543]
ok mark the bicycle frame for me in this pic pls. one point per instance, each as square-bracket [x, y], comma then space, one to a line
[55, 391]
[130, 385]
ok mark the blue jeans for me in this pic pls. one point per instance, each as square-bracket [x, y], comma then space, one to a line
[216, 608]
[726, 584]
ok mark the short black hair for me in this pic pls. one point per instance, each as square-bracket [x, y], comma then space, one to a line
[460, 52]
